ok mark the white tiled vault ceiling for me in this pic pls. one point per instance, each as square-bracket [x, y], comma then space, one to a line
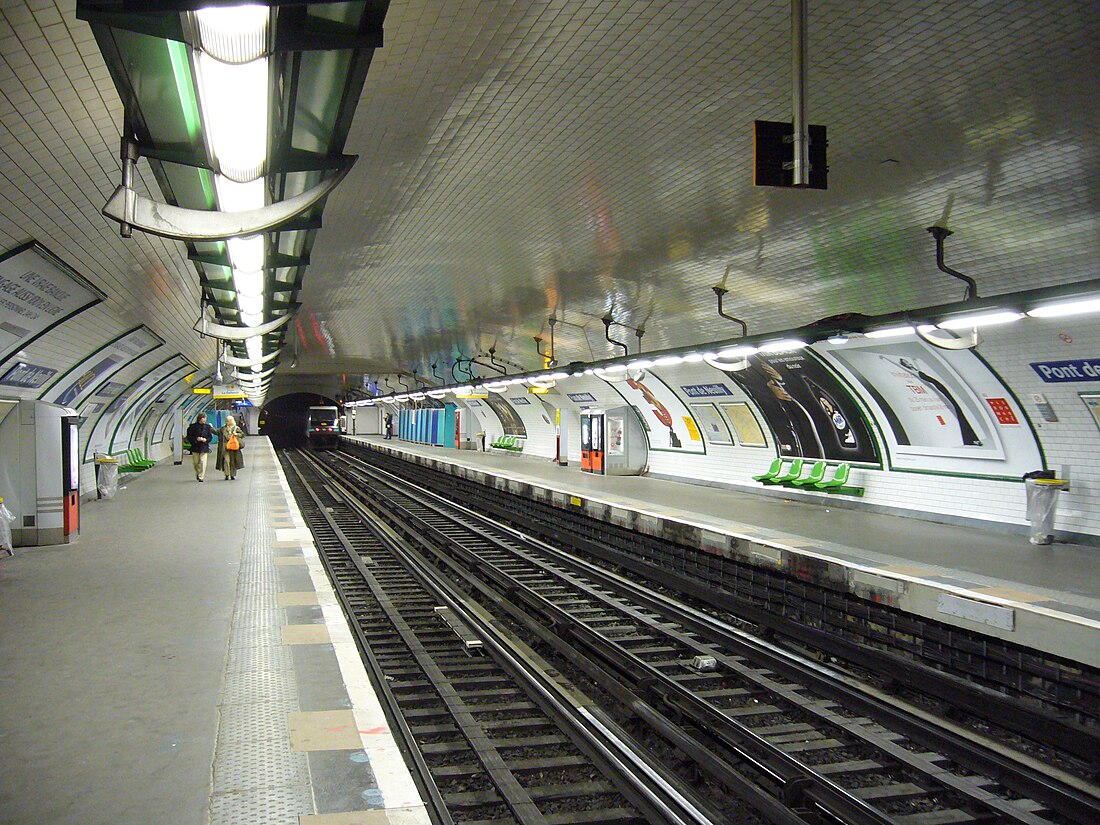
[574, 157]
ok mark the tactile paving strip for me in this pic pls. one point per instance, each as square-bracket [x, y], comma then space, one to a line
[257, 777]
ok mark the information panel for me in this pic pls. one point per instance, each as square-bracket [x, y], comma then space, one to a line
[37, 292]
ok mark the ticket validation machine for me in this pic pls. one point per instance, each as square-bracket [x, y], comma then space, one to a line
[40, 481]
[613, 442]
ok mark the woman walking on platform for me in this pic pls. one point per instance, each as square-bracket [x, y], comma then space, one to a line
[230, 454]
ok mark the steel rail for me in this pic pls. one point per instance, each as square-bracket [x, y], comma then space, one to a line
[1068, 801]
[660, 801]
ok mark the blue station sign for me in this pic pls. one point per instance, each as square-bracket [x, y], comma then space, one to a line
[1063, 372]
[28, 376]
[705, 390]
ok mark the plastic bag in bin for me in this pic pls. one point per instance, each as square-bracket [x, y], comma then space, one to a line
[6, 521]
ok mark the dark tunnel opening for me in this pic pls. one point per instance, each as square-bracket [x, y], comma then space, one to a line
[284, 419]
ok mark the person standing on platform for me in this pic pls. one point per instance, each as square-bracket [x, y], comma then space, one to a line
[230, 454]
[199, 436]
[389, 426]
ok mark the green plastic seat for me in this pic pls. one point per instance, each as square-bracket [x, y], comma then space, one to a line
[839, 478]
[817, 473]
[793, 472]
[774, 470]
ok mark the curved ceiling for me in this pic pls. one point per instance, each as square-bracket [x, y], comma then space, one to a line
[520, 160]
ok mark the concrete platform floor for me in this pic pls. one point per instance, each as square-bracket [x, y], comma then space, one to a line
[184, 662]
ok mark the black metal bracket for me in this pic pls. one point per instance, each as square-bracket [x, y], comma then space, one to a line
[939, 233]
[607, 322]
[721, 292]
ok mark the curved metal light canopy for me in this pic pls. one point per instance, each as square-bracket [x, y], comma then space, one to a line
[233, 361]
[227, 333]
[133, 210]
[967, 341]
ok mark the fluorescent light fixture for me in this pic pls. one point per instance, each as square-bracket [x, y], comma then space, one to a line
[437, 393]
[248, 283]
[257, 368]
[668, 361]
[640, 364]
[515, 381]
[252, 319]
[838, 339]
[590, 371]
[786, 345]
[498, 386]
[254, 346]
[558, 376]
[581, 373]
[417, 396]
[234, 100]
[463, 390]
[234, 34]
[403, 397]
[1079, 306]
[616, 368]
[240, 197]
[986, 319]
[890, 332]
[693, 357]
[247, 253]
[737, 352]
[250, 304]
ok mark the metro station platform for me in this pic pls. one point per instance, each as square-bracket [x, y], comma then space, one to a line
[185, 661]
[1044, 598]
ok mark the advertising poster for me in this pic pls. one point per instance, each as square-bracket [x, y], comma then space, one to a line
[509, 418]
[103, 424]
[37, 292]
[711, 423]
[667, 420]
[809, 411]
[939, 409]
[150, 385]
[71, 388]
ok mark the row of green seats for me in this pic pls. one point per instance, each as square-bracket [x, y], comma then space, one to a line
[814, 480]
[135, 462]
[508, 442]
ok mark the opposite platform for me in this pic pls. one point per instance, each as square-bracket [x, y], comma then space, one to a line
[186, 661]
[1045, 598]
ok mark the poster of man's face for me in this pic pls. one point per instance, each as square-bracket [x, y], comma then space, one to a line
[808, 410]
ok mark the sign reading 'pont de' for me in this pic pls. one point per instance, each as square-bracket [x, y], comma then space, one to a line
[1061, 372]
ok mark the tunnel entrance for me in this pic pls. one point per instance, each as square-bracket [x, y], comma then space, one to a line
[284, 419]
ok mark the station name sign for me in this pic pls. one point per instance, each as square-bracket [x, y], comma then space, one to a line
[705, 390]
[1062, 372]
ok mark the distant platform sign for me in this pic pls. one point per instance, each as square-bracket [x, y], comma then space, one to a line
[37, 292]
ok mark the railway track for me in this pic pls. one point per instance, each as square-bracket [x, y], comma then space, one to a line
[492, 737]
[794, 740]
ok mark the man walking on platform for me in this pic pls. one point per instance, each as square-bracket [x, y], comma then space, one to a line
[199, 436]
